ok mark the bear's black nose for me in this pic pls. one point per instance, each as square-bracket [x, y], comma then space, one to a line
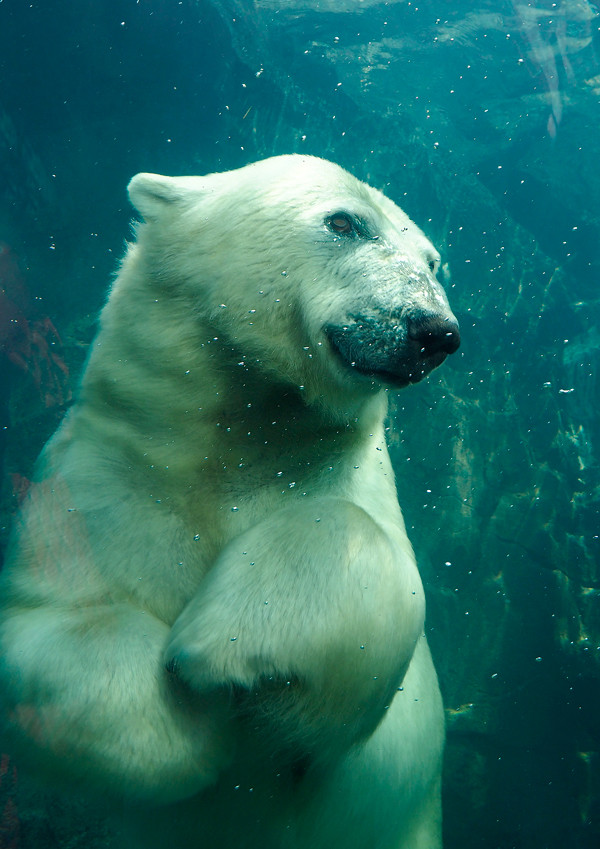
[433, 333]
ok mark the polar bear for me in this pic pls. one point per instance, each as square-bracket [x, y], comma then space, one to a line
[211, 609]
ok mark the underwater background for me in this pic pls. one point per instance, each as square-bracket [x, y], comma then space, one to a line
[482, 121]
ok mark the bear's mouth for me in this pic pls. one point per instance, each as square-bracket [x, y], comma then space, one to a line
[400, 374]
[396, 354]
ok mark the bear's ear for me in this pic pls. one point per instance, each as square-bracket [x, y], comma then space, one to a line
[150, 193]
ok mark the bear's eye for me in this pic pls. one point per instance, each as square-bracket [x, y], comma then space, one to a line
[341, 223]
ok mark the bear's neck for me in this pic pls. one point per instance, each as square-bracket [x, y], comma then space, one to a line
[228, 416]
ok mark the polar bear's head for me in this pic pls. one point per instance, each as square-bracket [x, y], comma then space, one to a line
[303, 269]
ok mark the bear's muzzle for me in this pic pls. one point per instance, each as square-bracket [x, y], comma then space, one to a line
[395, 351]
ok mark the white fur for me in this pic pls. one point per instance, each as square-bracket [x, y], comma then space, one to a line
[220, 500]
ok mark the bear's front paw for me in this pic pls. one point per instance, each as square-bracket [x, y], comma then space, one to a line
[171, 665]
[206, 654]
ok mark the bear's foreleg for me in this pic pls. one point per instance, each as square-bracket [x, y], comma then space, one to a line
[90, 700]
[314, 613]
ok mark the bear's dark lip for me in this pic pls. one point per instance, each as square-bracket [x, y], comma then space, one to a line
[414, 372]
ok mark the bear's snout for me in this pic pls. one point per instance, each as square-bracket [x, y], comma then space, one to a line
[395, 351]
[433, 333]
